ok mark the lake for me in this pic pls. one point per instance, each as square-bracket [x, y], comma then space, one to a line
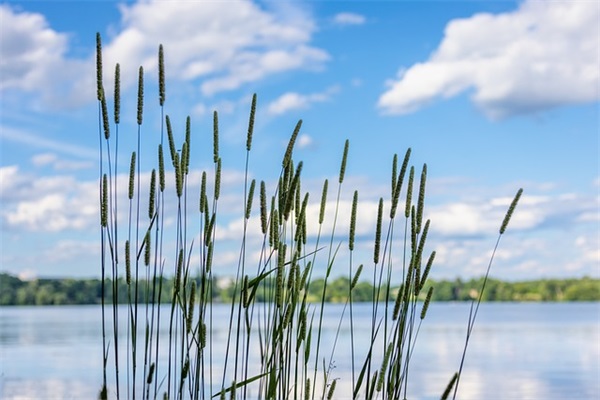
[517, 351]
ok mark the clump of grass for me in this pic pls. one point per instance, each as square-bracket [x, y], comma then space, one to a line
[270, 310]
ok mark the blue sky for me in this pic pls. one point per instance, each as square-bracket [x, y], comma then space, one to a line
[493, 96]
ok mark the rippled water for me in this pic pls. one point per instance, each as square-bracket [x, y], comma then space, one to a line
[518, 351]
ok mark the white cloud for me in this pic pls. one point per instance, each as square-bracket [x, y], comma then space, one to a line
[238, 42]
[29, 49]
[304, 141]
[295, 101]
[47, 204]
[543, 55]
[348, 18]
[33, 58]
[226, 44]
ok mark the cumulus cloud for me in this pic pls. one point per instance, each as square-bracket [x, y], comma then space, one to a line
[33, 59]
[48, 204]
[223, 44]
[239, 42]
[29, 49]
[295, 101]
[348, 18]
[540, 56]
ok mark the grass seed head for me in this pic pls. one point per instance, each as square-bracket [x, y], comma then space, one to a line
[104, 206]
[161, 75]
[251, 123]
[411, 177]
[344, 160]
[161, 168]
[100, 91]
[152, 196]
[140, 102]
[132, 176]
[377, 248]
[117, 93]
[215, 137]
[511, 210]
[290, 147]
[353, 221]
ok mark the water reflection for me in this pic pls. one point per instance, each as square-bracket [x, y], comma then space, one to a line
[518, 351]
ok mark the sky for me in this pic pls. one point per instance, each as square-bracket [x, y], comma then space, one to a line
[492, 96]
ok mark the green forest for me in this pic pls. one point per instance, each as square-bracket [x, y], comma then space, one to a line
[14, 291]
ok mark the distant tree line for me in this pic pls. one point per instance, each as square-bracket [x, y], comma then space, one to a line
[14, 291]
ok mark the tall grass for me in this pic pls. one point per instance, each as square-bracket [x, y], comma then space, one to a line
[270, 312]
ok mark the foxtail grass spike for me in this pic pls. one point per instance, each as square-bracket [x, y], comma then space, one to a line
[426, 304]
[323, 202]
[131, 175]
[403, 170]
[185, 151]
[172, 149]
[250, 197]
[103, 395]
[344, 160]
[411, 177]
[100, 91]
[378, 232]
[289, 201]
[117, 93]
[161, 75]
[263, 208]
[215, 137]
[147, 249]
[384, 365]
[422, 241]
[209, 257]
[398, 302]
[356, 277]
[510, 211]
[188, 130]
[202, 334]
[279, 279]
[245, 294]
[218, 180]
[105, 121]
[353, 221]
[331, 389]
[421, 200]
[152, 196]
[290, 147]
[394, 174]
[450, 386]
[104, 206]
[161, 168]
[202, 192]
[251, 123]
[127, 262]
[177, 282]
[140, 102]
[396, 184]
[413, 230]
[307, 389]
[297, 199]
[178, 176]
[427, 269]
[150, 374]
[190, 311]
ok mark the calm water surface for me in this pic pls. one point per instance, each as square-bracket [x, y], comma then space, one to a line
[518, 351]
